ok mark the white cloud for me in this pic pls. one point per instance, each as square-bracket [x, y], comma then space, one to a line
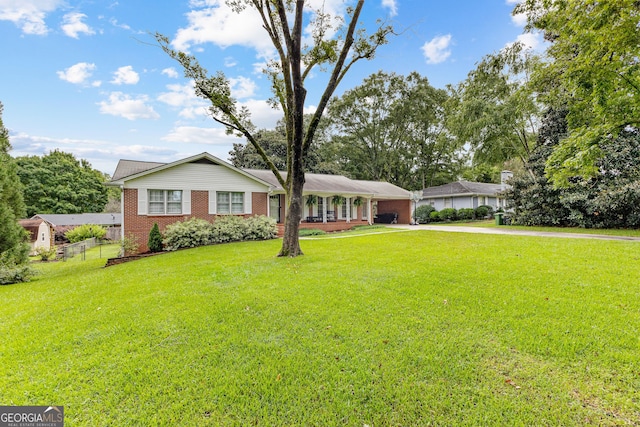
[115, 23]
[79, 74]
[529, 40]
[73, 25]
[230, 62]
[242, 87]
[216, 23]
[29, 15]
[262, 114]
[171, 73]
[199, 135]
[520, 19]
[103, 155]
[391, 4]
[123, 105]
[437, 50]
[184, 98]
[125, 75]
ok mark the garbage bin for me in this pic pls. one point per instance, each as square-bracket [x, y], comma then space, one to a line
[499, 218]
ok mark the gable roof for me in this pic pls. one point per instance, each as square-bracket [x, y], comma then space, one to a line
[132, 169]
[462, 188]
[58, 220]
[316, 183]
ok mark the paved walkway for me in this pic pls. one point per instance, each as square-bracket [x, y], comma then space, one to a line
[507, 231]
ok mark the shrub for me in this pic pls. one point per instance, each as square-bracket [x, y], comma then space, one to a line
[482, 212]
[310, 232]
[466, 213]
[46, 254]
[84, 232]
[129, 245]
[15, 274]
[434, 216]
[423, 214]
[261, 228]
[188, 234]
[155, 239]
[229, 228]
[448, 214]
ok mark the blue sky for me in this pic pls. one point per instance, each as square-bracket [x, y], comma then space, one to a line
[85, 76]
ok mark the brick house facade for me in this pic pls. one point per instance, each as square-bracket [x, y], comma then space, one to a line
[204, 186]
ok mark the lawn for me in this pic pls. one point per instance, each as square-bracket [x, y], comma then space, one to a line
[576, 230]
[411, 328]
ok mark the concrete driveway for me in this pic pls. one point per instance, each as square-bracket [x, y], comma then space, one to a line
[507, 231]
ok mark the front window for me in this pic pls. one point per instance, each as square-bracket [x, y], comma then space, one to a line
[230, 203]
[165, 202]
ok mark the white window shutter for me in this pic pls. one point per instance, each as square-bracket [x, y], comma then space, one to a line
[248, 209]
[186, 202]
[142, 201]
[212, 202]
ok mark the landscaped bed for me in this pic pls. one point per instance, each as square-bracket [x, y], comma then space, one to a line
[404, 328]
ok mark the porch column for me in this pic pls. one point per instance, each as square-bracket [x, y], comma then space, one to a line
[347, 204]
[324, 210]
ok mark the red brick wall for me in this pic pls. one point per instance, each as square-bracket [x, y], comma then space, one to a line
[260, 203]
[401, 207]
[139, 226]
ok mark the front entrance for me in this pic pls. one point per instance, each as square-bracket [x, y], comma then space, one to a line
[275, 208]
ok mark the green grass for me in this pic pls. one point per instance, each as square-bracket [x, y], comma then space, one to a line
[411, 328]
[577, 230]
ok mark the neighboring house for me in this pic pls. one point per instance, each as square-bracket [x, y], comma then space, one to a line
[204, 186]
[65, 222]
[41, 234]
[465, 194]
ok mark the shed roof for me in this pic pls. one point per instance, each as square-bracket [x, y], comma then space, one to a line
[462, 188]
[107, 219]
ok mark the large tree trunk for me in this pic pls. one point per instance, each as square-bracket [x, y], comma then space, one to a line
[290, 240]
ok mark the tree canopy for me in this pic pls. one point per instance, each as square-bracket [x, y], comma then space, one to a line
[59, 183]
[593, 70]
[494, 109]
[391, 128]
[13, 247]
[330, 46]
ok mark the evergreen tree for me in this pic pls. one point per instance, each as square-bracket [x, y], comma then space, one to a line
[155, 239]
[14, 250]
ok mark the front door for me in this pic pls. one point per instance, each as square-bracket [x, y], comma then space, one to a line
[274, 207]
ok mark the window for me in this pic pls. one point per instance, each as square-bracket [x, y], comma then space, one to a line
[43, 237]
[365, 209]
[165, 202]
[230, 203]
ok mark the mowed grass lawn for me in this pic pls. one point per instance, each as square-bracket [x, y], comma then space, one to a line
[406, 328]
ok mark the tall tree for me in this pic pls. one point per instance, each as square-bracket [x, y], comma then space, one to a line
[327, 47]
[494, 109]
[593, 69]
[391, 128]
[274, 143]
[59, 183]
[13, 247]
